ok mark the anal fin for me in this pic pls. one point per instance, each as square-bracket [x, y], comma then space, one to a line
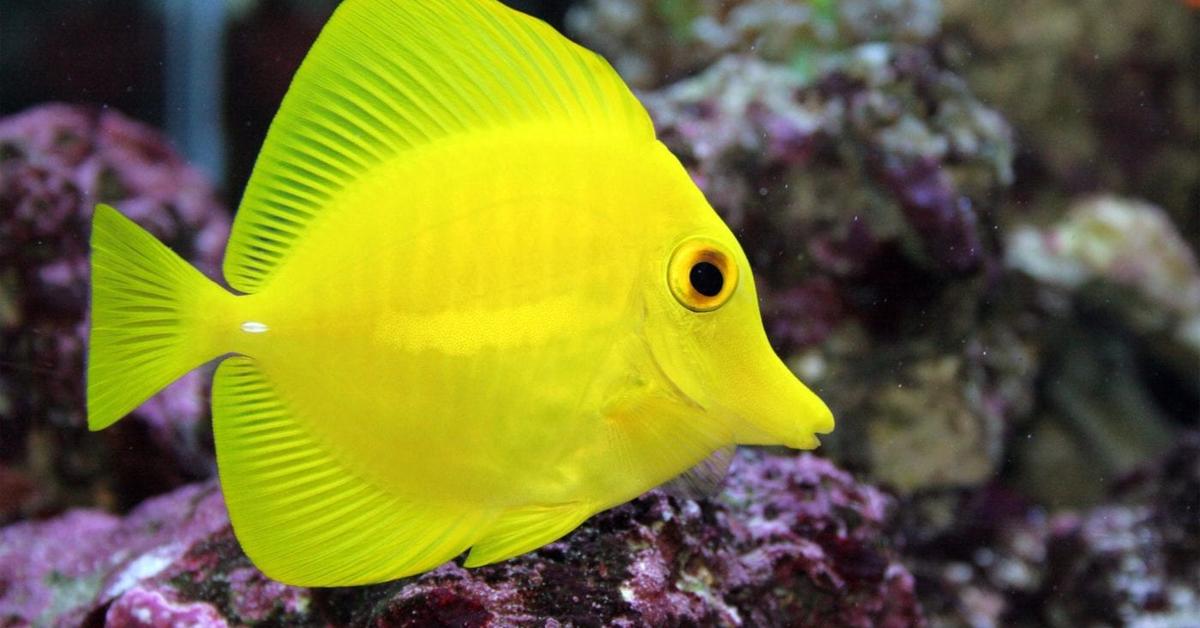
[301, 515]
[525, 529]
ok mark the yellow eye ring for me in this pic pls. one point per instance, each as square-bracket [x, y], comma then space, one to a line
[702, 274]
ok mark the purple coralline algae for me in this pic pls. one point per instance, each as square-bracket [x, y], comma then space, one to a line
[145, 569]
[653, 42]
[141, 607]
[1134, 561]
[791, 541]
[56, 163]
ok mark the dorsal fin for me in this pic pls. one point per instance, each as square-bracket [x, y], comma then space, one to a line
[386, 76]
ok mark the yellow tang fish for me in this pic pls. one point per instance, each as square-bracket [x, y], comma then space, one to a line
[477, 302]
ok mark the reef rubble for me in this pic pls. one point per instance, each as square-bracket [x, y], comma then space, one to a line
[790, 540]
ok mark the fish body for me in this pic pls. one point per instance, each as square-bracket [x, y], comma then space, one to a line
[477, 303]
[497, 324]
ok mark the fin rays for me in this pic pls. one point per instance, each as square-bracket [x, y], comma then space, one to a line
[387, 76]
[305, 518]
[147, 329]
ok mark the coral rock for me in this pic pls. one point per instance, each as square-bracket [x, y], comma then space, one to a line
[653, 41]
[56, 163]
[1136, 562]
[792, 540]
[1128, 244]
[1132, 561]
[173, 559]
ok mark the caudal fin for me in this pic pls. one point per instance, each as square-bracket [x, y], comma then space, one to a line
[154, 318]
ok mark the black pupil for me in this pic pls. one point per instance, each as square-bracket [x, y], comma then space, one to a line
[707, 279]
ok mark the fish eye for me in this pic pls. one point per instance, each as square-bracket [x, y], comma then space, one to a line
[702, 274]
[707, 279]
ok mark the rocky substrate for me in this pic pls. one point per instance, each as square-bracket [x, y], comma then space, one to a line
[791, 540]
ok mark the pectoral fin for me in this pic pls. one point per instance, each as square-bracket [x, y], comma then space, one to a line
[704, 479]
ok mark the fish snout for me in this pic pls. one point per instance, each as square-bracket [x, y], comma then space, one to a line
[776, 408]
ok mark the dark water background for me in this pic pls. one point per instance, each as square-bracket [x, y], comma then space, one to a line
[118, 53]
